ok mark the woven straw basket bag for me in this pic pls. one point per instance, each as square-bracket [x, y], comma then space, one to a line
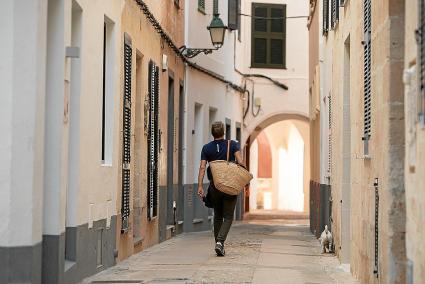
[229, 177]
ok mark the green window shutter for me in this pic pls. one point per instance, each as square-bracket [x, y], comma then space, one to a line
[277, 23]
[268, 36]
[276, 51]
[260, 24]
[232, 21]
[260, 51]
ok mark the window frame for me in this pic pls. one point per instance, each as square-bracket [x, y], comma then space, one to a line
[268, 35]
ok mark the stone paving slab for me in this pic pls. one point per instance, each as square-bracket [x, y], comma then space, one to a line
[256, 252]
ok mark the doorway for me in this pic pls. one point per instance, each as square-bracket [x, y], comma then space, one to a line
[138, 154]
[346, 157]
[170, 151]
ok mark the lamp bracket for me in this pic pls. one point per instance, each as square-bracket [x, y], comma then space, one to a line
[192, 52]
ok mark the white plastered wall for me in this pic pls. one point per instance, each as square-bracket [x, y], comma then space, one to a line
[22, 89]
[203, 89]
[275, 100]
[96, 184]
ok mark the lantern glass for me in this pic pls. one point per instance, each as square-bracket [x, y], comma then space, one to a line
[217, 36]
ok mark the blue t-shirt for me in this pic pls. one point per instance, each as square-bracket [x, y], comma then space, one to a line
[217, 150]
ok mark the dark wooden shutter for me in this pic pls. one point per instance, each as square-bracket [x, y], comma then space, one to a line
[268, 36]
[126, 151]
[335, 13]
[367, 69]
[325, 16]
[421, 60]
[153, 140]
[232, 14]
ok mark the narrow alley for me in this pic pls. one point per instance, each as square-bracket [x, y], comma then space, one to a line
[267, 251]
[130, 128]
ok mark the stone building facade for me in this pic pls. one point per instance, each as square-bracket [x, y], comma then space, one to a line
[152, 141]
[414, 72]
[367, 50]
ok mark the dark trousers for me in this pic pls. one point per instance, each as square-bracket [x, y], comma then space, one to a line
[224, 208]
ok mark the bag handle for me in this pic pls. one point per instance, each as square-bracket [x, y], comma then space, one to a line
[228, 150]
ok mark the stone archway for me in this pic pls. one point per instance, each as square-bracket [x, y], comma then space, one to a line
[275, 131]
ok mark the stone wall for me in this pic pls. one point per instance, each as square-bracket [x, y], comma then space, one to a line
[415, 153]
[147, 45]
[352, 172]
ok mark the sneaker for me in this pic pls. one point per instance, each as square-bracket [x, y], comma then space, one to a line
[219, 249]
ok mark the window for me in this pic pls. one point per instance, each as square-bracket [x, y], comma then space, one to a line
[233, 17]
[201, 6]
[335, 13]
[107, 91]
[268, 36]
[325, 17]
[367, 45]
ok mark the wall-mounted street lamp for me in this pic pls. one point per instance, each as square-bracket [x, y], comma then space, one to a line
[217, 30]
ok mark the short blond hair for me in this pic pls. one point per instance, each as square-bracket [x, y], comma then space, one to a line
[217, 129]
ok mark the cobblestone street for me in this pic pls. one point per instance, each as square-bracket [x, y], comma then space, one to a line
[256, 252]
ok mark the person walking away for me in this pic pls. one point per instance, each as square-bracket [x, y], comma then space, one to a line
[223, 204]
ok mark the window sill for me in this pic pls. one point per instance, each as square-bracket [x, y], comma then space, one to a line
[106, 165]
[202, 11]
[268, 67]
